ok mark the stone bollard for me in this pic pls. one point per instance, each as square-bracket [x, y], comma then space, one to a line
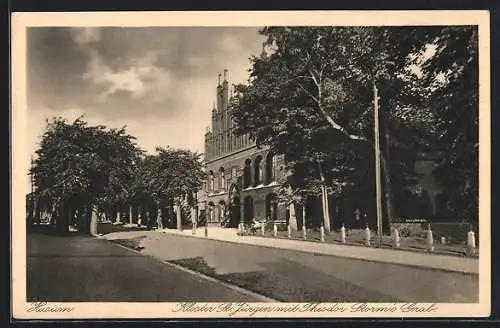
[367, 236]
[263, 228]
[396, 238]
[471, 242]
[430, 240]
[206, 231]
[322, 233]
[289, 227]
[275, 230]
[304, 232]
[342, 234]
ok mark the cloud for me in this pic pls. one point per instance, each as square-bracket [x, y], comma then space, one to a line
[85, 35]
[160, 81]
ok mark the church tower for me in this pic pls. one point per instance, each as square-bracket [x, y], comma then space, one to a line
[220, 139]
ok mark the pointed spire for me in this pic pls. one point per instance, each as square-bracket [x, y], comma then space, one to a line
[219, 79]
[225, 74]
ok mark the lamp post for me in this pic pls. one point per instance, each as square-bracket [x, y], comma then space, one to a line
[378, 185]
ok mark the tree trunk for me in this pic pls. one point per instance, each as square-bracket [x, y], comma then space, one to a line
[324, 201]
[62, 220]
[292, 221]
[93, 221]
[179, 217]
[159, 220]
[304, 214]
[389, 200]
[130, 214]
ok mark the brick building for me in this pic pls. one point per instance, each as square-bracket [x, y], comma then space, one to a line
[242, 177]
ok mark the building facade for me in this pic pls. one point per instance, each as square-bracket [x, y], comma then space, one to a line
[242, 177]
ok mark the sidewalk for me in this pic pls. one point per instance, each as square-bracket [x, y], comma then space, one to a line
[414, 259]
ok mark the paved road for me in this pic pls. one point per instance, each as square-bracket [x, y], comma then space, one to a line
[302, 277]
[76, 268]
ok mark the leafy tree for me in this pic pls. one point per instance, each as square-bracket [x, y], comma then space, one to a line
[168, 176]
[80, 167]
[311, 99]
[451, 80]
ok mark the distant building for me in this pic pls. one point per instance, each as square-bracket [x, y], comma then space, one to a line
[241, 182]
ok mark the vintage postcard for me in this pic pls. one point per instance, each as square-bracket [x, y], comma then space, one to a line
[251, 164]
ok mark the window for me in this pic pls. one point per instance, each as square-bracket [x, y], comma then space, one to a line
[211, 180]
[270, 168]
[222, 183]
[258, 170]
[247, 174]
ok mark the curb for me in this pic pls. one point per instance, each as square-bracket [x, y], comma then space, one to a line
[332, 255]
[260, 297]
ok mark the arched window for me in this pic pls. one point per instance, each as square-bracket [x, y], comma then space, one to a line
[258, 170]
[247, 173]
[211, 180]
[271, 207]
[270, 167]
[222, 178]
[210, 212]
[222, 210]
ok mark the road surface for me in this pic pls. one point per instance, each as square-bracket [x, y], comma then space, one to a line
[82, 269]
[293, 276]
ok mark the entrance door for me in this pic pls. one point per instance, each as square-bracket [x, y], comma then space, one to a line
[248, 209]
[235, 212]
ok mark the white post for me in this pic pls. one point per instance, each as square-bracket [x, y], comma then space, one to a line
[139, 219]
[130, 214]
[263, 228]
[443, 240]
[193, 219]
[289, 232]
[304, 232]
[275, 230]
[367, 236]
[396, 238]
[430, 240]
[322, 233]
[471, 242]
[118, 217]
[342, 234]
[206, 229]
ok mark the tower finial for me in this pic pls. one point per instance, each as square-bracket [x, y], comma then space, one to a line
[225, 74]
[219, 77]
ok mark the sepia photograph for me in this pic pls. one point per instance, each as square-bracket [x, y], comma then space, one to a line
[318, 164]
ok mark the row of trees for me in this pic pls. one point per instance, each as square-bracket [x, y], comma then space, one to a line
[310, 97]
[80, 169]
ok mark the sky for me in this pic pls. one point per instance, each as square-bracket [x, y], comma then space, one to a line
[159, 82]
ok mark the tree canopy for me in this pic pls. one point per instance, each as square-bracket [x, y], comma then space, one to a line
[169, 174]
[310, 97]
[79, 166]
